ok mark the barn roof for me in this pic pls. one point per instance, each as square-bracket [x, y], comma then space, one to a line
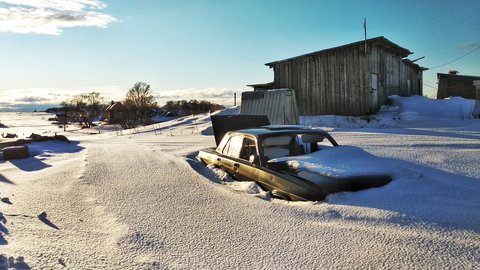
[269, 85]
[411, 63]
[377, 41]
[115, 107]
[456, 76]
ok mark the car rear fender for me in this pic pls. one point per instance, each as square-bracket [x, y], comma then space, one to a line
[208, 156]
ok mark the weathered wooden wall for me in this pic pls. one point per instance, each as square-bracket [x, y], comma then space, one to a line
[395, 77]
[332, 83]
[456, 85]
[339, 81]
[414, 77]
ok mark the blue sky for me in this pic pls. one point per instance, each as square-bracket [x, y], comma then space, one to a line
[54, 49]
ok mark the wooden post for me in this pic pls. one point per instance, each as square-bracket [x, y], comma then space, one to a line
[476, 110]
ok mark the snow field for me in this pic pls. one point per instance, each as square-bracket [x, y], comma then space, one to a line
[142, 201]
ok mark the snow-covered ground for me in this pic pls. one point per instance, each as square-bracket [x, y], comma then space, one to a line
[140, 200]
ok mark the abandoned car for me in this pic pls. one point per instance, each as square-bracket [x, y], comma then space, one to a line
[252, 155]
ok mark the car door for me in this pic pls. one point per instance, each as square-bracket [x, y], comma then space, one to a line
[231, 152]
[246, 167]
[240, 157]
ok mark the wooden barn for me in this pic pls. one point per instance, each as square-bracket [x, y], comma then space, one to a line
[451, 84]
[353, 79]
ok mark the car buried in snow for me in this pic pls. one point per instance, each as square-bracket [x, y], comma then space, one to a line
[251, 154]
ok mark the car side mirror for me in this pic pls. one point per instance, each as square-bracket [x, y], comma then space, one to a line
[253, 159]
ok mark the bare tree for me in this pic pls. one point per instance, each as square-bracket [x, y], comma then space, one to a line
[139, 100]
[83, 108]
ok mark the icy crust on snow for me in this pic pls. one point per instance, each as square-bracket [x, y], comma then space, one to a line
[338, 121]
[341, 161]
[419, 107]
[230, 111]
[401, 111]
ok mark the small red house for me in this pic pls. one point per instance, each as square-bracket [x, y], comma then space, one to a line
[115, 112]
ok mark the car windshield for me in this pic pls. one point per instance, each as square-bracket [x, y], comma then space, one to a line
[293, 145]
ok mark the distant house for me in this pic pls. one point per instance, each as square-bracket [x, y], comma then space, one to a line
[115, 112]
[353, 79]
[451, 84]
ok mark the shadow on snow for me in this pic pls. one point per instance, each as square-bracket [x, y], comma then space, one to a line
[40, 151]
[417, 195]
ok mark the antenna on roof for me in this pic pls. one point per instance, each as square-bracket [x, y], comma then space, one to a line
[365, 32]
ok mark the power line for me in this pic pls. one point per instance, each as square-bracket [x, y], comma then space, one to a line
[429, 86]
[470, 52]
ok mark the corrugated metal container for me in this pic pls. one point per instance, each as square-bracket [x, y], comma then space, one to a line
[280, 105]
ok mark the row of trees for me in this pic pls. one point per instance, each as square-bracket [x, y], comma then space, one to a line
[139, 102]
[193, 106]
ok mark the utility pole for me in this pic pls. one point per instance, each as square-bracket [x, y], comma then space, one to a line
[365, 33]
[234, 99]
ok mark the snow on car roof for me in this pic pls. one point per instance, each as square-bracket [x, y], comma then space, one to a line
[280, 127]
[266, 132]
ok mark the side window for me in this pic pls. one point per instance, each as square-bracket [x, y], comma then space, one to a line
[249, 148]
[233, 147]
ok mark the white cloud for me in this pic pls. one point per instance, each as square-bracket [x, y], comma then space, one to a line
[31, 99]
[27, 98]
[51, 16]
[68, 5]
[40, 96]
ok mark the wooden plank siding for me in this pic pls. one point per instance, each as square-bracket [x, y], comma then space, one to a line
[450, 85]
[338, 80]
[333, 83]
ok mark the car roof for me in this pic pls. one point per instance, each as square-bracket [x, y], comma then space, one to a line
[269, 131]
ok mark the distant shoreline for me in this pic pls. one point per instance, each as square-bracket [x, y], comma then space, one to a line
[23, 112]
[27, 107]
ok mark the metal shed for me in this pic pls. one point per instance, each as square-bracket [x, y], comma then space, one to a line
[280, 105]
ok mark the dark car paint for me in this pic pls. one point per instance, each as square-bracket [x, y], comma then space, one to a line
[222, 124]
[281, 180]
[286, 185]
